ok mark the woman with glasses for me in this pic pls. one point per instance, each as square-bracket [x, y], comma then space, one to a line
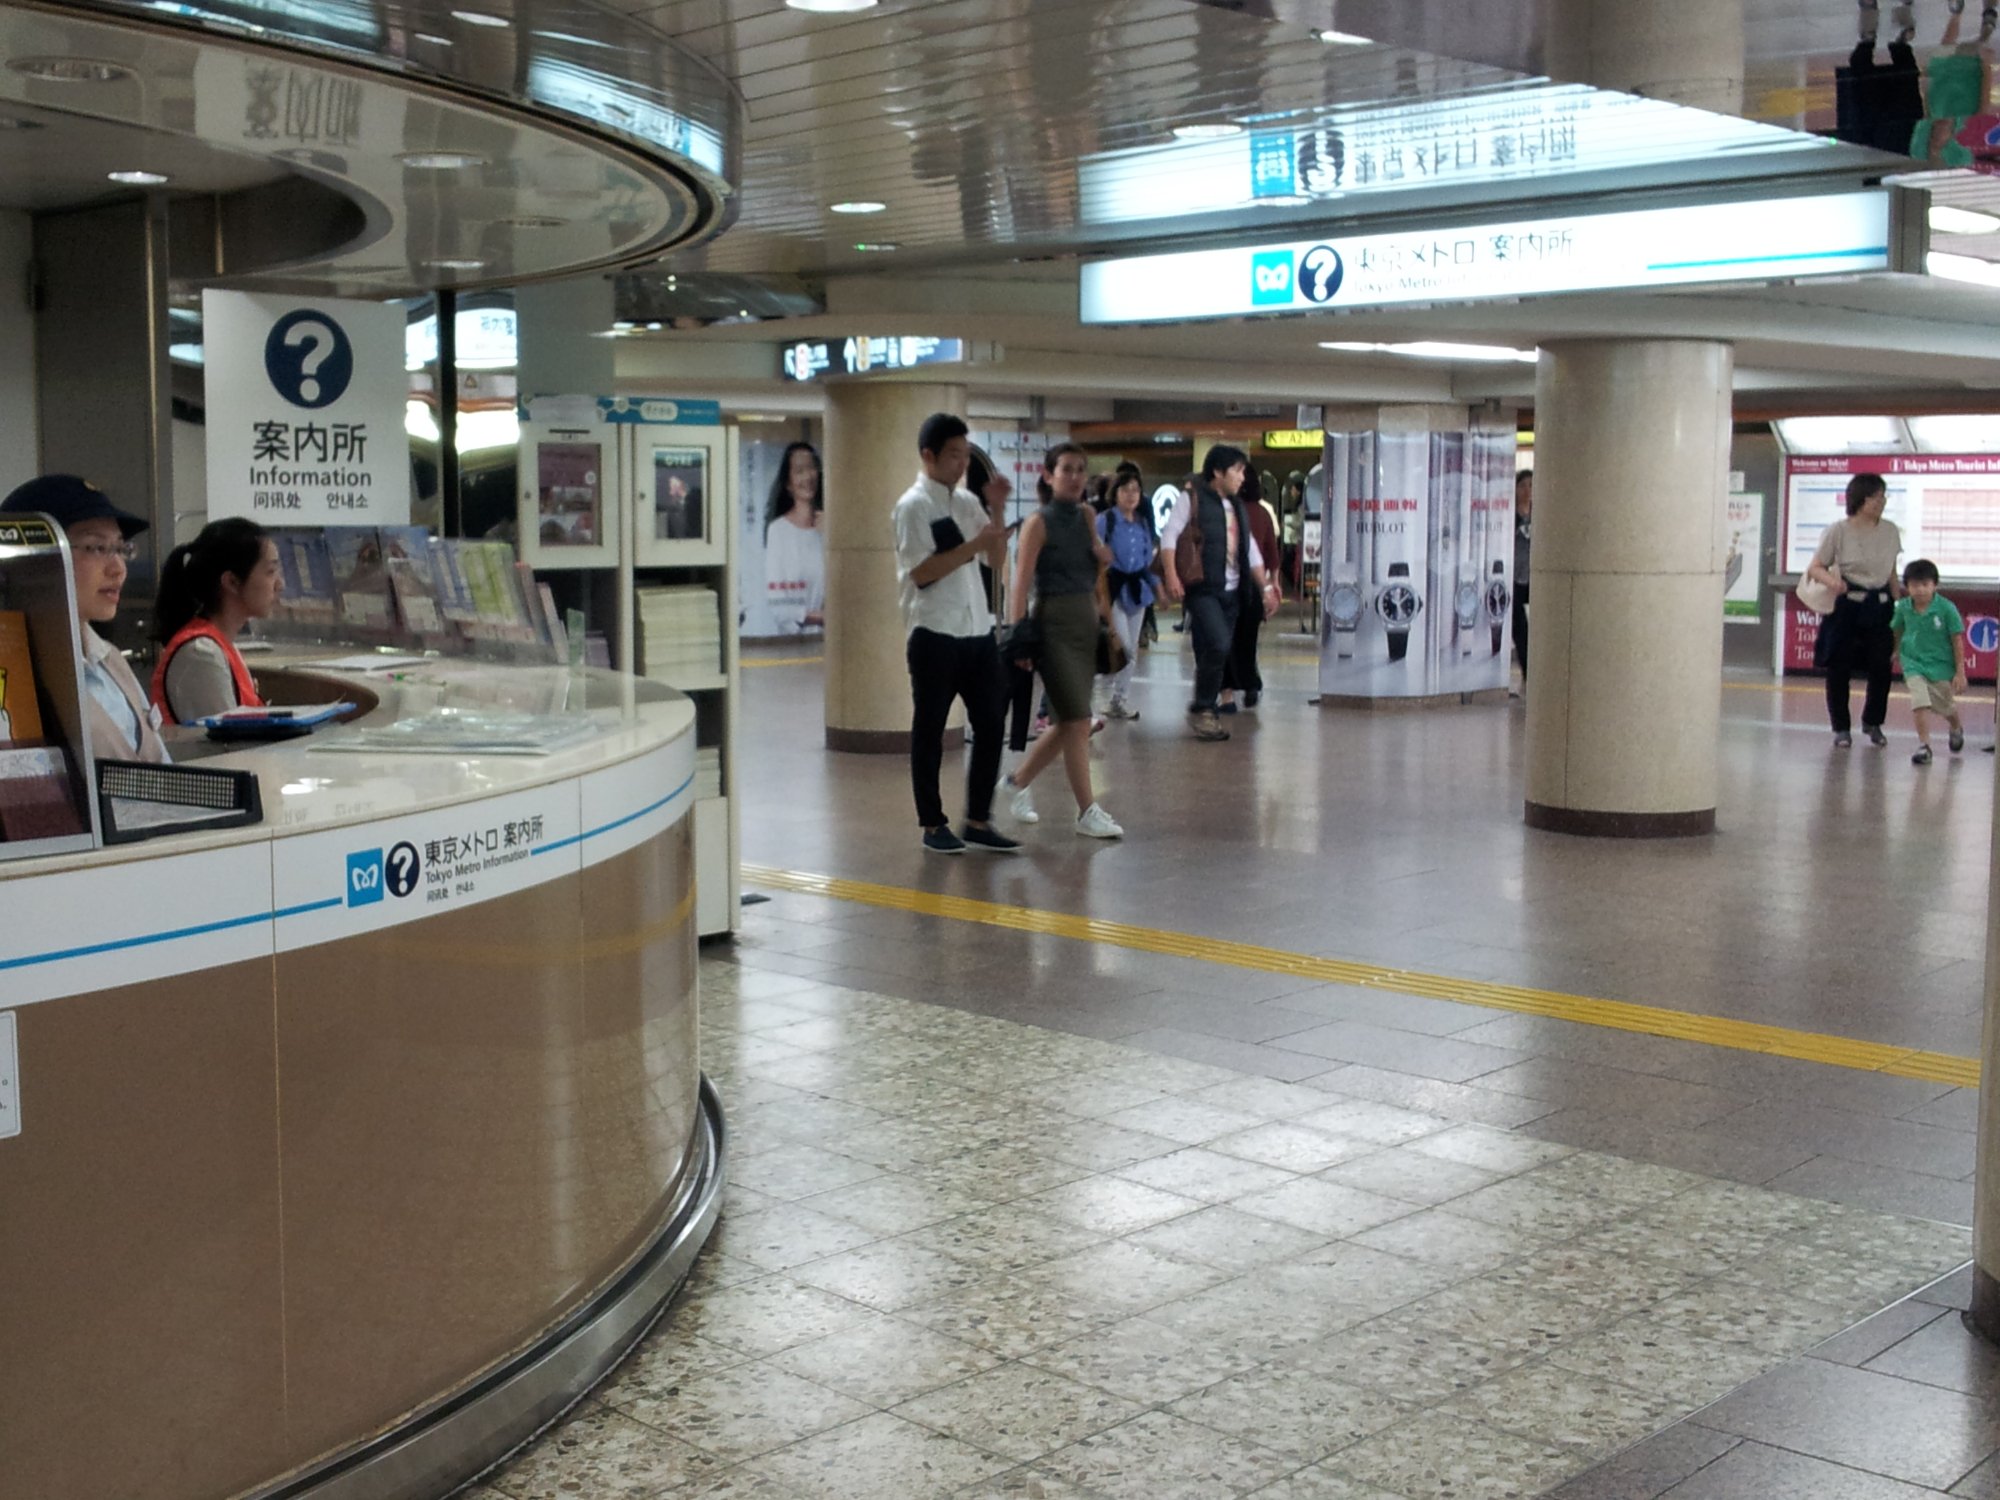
[122, 724]
[210, 588]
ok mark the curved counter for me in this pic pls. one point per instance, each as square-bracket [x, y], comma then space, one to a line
[354, 1145]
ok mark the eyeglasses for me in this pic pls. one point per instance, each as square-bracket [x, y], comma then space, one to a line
[104, 551]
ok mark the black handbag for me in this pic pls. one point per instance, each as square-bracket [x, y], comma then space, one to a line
[1021, 641]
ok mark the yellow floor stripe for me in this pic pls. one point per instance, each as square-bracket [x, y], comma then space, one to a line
[1619, 1015]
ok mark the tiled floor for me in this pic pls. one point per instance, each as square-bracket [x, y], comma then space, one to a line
[965, 1256]
[1013, 1214]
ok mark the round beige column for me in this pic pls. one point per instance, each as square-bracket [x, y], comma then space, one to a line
[1986, 1179]
[1625, 604]
[1682, 51]
[871, 459]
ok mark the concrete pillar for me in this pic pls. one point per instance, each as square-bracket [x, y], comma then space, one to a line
[563, 348]
[1625, 637]
[871, 458]
[1683, 51]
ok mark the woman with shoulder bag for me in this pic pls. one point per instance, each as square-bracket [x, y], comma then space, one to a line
[1126, 530]
[1857, 559]
[1057, 561]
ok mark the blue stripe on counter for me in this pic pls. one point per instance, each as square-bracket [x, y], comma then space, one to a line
[60, 954]
[633, 817]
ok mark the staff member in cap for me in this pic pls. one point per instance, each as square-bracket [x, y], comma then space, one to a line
[122, 724]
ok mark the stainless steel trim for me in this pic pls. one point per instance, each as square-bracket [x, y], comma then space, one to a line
[437, 1450]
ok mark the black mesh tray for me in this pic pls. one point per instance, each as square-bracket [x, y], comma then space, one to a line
[139, 800]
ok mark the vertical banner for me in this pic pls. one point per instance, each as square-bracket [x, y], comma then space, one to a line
[1742, 572]
[1417, 563]
[781, 554]
[305, 410]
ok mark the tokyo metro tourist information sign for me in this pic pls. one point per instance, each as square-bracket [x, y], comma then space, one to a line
[1768, 239]
[305, 410]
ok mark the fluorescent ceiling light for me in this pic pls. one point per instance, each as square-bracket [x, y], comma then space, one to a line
[455, 263]
[1967, 268]
[435, 41]
[1841, 434]
[440, 161]
[480, 18]
[876, 247]
[1280, 200]
[1956, 432]
[1216, 130]
[1948, 220]
[139, 179]
[1433, 349]
[869, 206]
[830, 7]
[185, 354]
[1342, 39]
[69, 69]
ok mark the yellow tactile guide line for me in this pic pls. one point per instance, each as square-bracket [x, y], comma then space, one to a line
[1620, 1015]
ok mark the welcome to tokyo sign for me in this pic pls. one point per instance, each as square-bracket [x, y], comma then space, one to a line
[1765, 240]
[305, 410]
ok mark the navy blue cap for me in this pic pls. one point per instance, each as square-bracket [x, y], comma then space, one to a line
[68, 500]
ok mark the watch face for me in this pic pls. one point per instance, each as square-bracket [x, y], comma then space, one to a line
[1397, 605]
[1496, 600]
[1344, 604]
[1466, 602]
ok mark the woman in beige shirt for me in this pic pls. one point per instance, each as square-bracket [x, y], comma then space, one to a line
[1857, 559]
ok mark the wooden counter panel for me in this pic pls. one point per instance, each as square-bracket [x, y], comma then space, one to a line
[641, 1074]
[141, 1348]
[432, 1108]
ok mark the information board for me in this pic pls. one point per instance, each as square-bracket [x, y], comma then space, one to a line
[1947, 507]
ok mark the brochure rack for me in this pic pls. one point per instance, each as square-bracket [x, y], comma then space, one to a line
[47, 805]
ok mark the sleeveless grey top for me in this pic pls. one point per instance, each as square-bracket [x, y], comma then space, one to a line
[1066, 564]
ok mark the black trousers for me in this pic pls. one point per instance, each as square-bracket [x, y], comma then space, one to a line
[1211, 615]
[1020, 705]
[1860, 641]
[1239, 671]
[944, 667]
[1521, 630]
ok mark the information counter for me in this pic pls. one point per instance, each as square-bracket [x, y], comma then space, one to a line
[340, 1153]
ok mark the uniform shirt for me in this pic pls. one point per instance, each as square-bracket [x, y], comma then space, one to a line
[200, 681]
[956, 603]
[1865, 555]
[115, 691]
[1924, 637]
[1178, 522]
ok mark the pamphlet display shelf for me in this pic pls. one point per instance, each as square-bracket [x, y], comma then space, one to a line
[343, 1151]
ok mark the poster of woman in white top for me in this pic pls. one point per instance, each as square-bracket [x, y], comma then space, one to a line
[794, 550]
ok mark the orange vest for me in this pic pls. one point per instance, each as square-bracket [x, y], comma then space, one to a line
[199, 629]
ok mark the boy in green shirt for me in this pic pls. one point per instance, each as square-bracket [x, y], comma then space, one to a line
[1930, 638]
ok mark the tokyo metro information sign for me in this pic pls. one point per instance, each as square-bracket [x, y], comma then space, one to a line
[1769, 239]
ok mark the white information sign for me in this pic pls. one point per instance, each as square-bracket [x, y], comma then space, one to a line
[1783, 238]
[305, 410]
[1947, 507]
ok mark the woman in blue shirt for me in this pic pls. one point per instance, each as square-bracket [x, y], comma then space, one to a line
[1126, 528]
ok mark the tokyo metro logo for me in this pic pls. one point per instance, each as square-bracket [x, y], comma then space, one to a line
[1271, 279]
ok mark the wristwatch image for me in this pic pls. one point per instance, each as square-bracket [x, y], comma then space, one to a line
[1343, 610]
[1498, 597]
[1466, 607]
[1398, 603]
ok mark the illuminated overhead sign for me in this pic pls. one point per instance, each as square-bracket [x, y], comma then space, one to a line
[1766, 240]
[1537, 131]
[865, 354]
[1294, 437]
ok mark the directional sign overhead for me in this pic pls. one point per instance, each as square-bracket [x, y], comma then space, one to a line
[1765, 240]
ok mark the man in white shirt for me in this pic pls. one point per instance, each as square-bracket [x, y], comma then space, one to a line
[1228, 553]
[941, 531]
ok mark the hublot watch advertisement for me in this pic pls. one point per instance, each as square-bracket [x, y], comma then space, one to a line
[1418, 563]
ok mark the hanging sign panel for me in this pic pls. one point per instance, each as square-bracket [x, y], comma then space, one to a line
[1783, 238]
[305, 410]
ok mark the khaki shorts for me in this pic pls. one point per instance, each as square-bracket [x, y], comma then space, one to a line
[1926, 692]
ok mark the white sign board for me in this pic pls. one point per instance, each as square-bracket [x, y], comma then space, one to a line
[1947, 506]
[10, 1077]
[305, 410]
[1783, 238]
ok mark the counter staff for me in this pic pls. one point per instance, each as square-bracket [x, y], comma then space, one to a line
[210, 588]
[122, 724]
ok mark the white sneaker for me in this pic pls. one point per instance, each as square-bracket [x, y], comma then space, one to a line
[1096, 824]
[1022, 804]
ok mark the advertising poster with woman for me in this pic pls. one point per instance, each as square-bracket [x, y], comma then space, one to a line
[783, 577]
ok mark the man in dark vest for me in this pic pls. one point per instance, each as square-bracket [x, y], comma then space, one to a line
[1220, 538]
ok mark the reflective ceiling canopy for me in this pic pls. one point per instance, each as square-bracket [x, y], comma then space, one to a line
[376, 150]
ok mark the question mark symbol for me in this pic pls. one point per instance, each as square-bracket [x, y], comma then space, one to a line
[319, 341]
